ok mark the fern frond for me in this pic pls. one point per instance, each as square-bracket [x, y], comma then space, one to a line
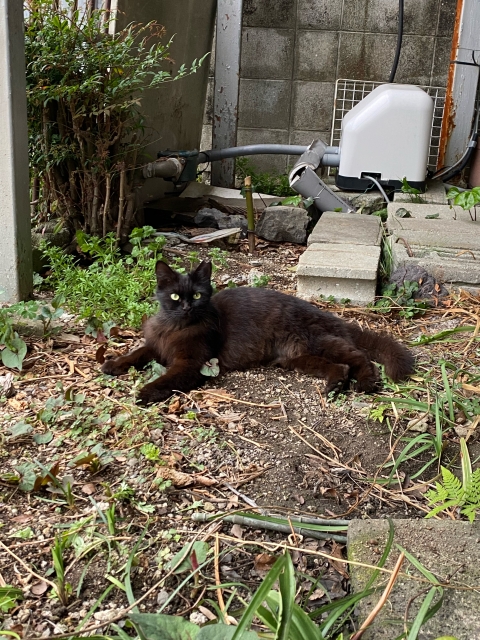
[470, 511]
[472, 491]
[453, 486]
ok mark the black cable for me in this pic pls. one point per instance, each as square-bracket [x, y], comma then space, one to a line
[399, 41]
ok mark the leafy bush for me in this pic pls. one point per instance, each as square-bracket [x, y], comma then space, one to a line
[113, 288]
[275, 184]
[84, 87]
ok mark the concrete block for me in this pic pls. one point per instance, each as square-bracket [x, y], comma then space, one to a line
[381, 16]
[446, 20]
[441, 61]
[346, 228]
[269, 13]
[434, 194]
[316, 56]
[446, 236]
[313, 105]
[455, 217]
[267, 53]
[340, 270]
[450, 266]
[264, 104]
[319, 14]
[444, 548]
[275, 163]
[368, 56]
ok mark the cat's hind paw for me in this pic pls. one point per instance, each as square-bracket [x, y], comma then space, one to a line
[150, 394]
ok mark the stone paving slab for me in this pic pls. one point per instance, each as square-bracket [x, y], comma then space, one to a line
[345, 271]
[346, 228]
[435, 194]
[419, 212]
[445, 548]
[459, 268]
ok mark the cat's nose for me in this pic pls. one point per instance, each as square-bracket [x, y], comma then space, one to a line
[185, 306]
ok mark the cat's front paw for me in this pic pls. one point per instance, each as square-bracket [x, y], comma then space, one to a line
[113, 367]
[149, 394]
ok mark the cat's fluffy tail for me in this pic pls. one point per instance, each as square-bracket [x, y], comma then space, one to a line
[398, 361]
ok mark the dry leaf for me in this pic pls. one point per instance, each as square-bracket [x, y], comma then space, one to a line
[39, 588]
[207, 613]
[174, 406]
[237, 531]
[21, 519]
[180, 479]
[264, 562]
[88, 489]
[338, 566]
[100, 354]
[6, 385]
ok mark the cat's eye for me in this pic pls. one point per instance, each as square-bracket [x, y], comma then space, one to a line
[175, 296]
[197, 296]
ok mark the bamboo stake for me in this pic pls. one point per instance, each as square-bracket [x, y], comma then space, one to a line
[106, 208]
[121, 202]
[250, 214]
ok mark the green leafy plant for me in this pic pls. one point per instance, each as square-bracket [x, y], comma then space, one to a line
[63, 589]
[14, 347]
[454, 493]
[274, 184]
[113, 287]
[150, 451]
[260, 281]
[8, 598]
[218, 258]
[86, 129]
[466, 199]
[415, 194]
[401, 298]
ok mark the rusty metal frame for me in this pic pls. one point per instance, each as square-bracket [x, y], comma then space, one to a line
[461, 84]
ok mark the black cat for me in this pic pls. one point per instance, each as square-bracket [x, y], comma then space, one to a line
[251, 327]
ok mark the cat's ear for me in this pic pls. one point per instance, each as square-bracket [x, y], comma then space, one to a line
[165, 275]
[203, 271]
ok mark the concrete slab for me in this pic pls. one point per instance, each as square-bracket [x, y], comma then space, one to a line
[443, 236]
[445, 548]
[441, 212]
[344, 271]
[457, 268]
[346, 228]
[435, 194]
[231, 197]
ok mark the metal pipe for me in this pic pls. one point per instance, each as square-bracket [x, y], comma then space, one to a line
[258, 149]
[163, 168]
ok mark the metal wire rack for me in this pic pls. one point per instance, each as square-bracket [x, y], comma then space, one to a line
[348, 93]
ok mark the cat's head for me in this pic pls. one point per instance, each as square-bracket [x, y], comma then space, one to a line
[184, 298]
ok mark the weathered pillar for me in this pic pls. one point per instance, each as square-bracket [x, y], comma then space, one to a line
[15, 238]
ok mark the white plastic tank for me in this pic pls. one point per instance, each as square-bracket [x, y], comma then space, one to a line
[386, 135]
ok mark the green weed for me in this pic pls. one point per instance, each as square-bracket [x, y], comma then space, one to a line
[113, 288]
[269, 183]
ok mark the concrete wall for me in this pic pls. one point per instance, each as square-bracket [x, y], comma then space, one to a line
[293, 51]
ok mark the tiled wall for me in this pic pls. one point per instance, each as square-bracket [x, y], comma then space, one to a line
[294, 50]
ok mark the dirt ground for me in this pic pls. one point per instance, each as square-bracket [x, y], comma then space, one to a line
[263, 437]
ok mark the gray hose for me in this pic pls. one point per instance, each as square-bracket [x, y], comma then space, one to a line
[257, 149]
[380, 188]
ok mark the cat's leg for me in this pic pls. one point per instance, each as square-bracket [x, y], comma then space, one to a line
[137, 358]
[336, 375]
[182, 375]
[362, 369]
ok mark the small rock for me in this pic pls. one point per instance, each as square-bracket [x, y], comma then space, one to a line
[198, 618]
[233, 221]
[420, 426]
[210, 218]
[208, 506]
[162, 597]
[283, 224]
[462, 430]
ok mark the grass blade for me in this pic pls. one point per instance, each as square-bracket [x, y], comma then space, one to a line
[259, 597]
[286, 581]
